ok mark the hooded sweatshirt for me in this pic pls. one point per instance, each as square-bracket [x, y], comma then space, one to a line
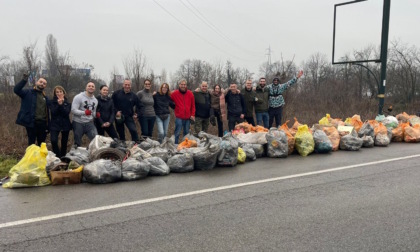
[275, 91]
[81, 103]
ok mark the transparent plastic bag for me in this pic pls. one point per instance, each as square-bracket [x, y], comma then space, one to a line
[277, 145]
[102, 171]
[322, 142]
[133, 169]
[350, 143]
[181, 163]
[229, 151]
[158, 167]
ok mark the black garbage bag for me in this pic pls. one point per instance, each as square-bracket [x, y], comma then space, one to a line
[159, 152]
[148, 144]
[368, 141]
[181, 163]
[133, 169]
[322, 142]
[277, 145]
[79, 155]
[205, 157]
[158, 167]
[249, 151]
[102, 171]
[229, 151]
[366, 130]
[350, 143]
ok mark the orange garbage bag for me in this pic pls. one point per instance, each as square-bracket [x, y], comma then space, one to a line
[412, 134]
[290, 137]
[186, 144]
[333, 135]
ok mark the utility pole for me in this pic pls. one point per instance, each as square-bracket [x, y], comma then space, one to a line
[384, 54]
[268, 61]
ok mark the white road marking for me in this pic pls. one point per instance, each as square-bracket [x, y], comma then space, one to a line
[179, 195]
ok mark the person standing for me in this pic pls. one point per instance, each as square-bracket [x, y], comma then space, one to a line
[276, 100]
[261, 103]
[105, 113]
[124, 102]
[34, 111]
[162, 102]
[218, 105]
[184, 109]
[235, 106]
[60, 121]
[203, 109]
[249, 98]
[147, 114]
[84, 110]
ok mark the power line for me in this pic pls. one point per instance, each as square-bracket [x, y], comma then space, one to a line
[214, 27]
[195, 33]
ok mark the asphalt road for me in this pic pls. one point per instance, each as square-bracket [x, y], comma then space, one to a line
[345, 201]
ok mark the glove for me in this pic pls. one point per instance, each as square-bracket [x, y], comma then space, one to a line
[98, 114]
[88, 112]
[213, 120]
[25, 76]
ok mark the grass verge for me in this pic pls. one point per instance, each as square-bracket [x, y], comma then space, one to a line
[5, 164]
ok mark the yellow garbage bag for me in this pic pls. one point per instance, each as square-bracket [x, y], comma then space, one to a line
[304, 141]
[241, 155]
[325, 120]
[30, 171]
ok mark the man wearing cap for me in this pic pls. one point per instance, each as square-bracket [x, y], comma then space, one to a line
[276, 99]
[34, 112]
[125, 101]
[261, 103]
[83, 108]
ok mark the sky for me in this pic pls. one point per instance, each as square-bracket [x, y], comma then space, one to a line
[104, 32]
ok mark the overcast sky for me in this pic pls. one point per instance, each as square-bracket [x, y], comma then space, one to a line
[103, 32]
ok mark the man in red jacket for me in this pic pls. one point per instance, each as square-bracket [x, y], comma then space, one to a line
[184, 108]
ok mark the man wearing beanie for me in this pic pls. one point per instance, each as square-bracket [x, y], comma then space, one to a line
[34, 112]
[276, 100]
[84, 111]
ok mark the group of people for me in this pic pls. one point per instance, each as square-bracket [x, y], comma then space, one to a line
[97, 115]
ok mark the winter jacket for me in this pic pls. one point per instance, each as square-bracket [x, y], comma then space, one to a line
[146, 98]
[275, 97]
[162, 104]
[125, 102]
[106, 110]
[26, 115]
[249, 98]
[218, 103]
[80, 104]
[60, 119]
[261, 105]
[235, 104]
[203, 107]
[184, 104]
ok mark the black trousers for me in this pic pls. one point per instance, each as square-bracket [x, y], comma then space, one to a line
[131, 125]
[250, 120]
[275, 114]
[109, 130]
[232, 120]
[59, 152]
[219, 120]
[37, 133]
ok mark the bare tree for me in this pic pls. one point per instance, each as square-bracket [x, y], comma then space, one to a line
[135, 67]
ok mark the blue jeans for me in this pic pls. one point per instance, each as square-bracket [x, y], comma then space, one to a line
[80, 129]
[262, 119]
[147, 123]
[162, 127]
[180, 123]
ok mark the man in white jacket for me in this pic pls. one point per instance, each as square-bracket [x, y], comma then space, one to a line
[84, 111]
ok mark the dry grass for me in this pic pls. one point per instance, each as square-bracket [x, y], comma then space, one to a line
[307, 107]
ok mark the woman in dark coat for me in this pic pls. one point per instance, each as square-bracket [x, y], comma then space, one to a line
[105, 114]
[60, 121]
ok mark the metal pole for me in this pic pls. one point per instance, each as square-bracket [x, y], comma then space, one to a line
[384, 54]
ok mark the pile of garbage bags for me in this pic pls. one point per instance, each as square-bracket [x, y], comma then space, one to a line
[107, 160]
